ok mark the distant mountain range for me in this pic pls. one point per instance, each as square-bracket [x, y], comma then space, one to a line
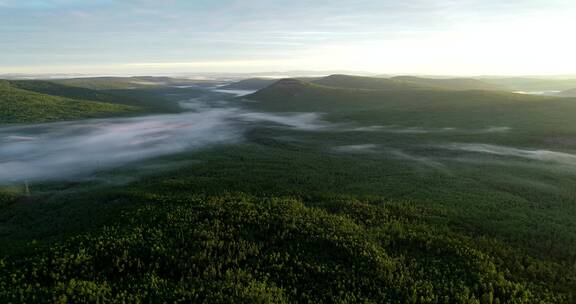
[527, 84]
[365, 83]
[452, 83]
[376, 83]
[568, 93]
[510, 84]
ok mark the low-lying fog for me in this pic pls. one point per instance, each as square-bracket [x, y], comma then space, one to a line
[82, 148]
[66, 149]
[539, 155]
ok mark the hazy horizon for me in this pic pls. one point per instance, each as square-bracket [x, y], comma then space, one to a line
[235, 76]
[137, 37]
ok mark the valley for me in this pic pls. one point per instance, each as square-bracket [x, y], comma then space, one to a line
[332, 189]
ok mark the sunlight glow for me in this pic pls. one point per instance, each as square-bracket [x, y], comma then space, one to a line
[474, 38]
[531, 47]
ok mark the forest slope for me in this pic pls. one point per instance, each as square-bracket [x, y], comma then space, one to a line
[18, 105]
[424, 107]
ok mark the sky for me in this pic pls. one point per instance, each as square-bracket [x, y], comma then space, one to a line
[442, 37]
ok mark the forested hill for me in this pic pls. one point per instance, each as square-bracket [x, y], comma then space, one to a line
[418, 106]
[73, 92]
[116, 83]
[23, 102]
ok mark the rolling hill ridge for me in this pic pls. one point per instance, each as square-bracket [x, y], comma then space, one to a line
[136, 82]
[19, 105]
[417, 105]
[366, 83]
[451, 83]
[376, 83]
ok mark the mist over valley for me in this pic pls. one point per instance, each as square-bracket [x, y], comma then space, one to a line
[351, 151]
